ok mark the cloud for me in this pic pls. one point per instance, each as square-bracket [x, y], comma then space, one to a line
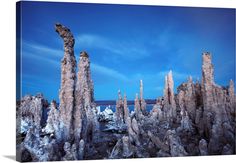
[128, 49]
[108, 71]
[41, 52]
[41, 49]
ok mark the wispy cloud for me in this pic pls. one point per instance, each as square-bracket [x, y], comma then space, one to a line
[41, 49]
[42, 53]
[128, 49]
[108, 71]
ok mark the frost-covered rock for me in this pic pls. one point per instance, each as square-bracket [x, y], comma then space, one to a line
[29, 113]
[53, 120]
[106, 115]
[41, 149]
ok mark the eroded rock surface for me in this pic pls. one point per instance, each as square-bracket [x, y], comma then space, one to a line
[68, 78]
[198, 120]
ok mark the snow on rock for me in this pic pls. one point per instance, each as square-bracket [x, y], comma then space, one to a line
[106, 115]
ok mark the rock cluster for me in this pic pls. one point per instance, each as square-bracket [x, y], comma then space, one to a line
[198, 120]
[30, 113]
[122, 110]
[70, 125]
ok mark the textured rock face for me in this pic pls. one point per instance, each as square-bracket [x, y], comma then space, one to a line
[137, 106]
[207, 82]
[133, 130]
[68, 77]
[126, 109]
[30, 113]
[140, 104]
[198, 120]
[176, 148]
[41, 149]
[203, 147]
[122, 110]
[119, 109]
[187, 98]
[216, 116]
[85, 119]
[169, 98]
[70, 152]
[142, 101]
[207, 91]
[232, 97]
[52, 126]
[107, 115]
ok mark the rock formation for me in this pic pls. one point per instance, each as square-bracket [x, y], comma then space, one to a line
[176, 148]
[68, 78]
[187, 98]
[30, 113]
[52, 126]
[119, 109]
[139, 103]
[198, 120]
[142, 101]
[215, 116]
[106, 115]
[126, 109]
[232, 97]
[169, 98]
[137, 107]
[85, 119]
[203, 147]
[70, 152]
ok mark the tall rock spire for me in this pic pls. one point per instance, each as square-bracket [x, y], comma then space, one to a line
[142, 101]
[126, 109]
[85, 122]
[231, 96]
[169, 98]
[119, 109]
[68, 77]
[137, 107]
[141, 89]
[207, 81]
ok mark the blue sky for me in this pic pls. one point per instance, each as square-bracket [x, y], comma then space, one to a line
[125, 43]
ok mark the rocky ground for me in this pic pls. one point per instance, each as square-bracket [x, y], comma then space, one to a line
[197, 120]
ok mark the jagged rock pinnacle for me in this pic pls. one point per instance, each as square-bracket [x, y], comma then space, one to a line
[68, 77]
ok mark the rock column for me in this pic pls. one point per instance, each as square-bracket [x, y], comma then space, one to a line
[68, 77]
[85, 122]
[126, 109]
[142, 101]
[169, 99]
[119, 109]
